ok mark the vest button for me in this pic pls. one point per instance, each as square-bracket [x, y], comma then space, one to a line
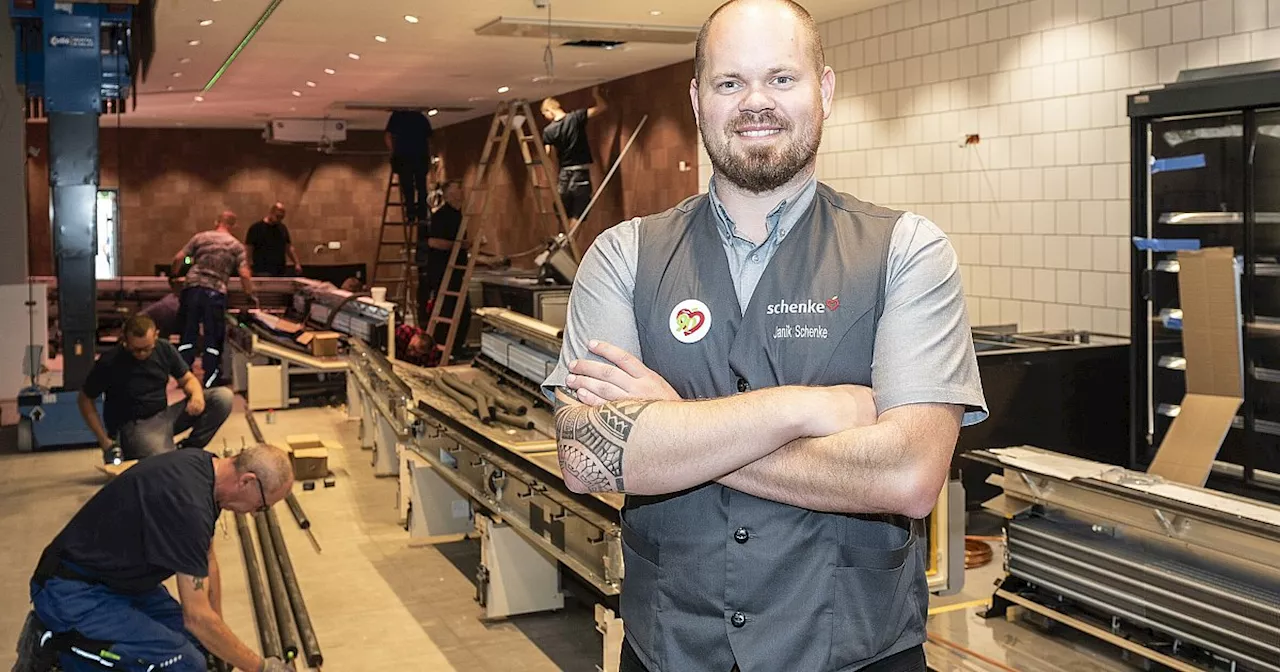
[742, 385]
[741, 535]
[739, 619]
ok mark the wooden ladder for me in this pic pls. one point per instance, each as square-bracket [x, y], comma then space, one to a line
[512, 118]
[394, 262]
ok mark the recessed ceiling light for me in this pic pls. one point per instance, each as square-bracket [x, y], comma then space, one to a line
[473, 99]
[297, 93]
[380, 38]
[206, 22]
[330, 71]
[503, 89]
[199, 99]
[293, 109]
[353, 56]
[177, 74]
[432, 112]
[193, 43]
[311, 84]
[184, 60]
[655, 12]
[168, 88]
[410, 18]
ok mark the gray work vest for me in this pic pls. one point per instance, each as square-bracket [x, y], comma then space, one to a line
[716, 577]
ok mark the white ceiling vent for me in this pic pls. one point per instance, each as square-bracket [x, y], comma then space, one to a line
[586, 30]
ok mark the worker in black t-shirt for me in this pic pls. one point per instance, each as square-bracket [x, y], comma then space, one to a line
[269, 246]
[567, 135]
[135, 376]
[408, 136]
[100, 578]
[434, 248]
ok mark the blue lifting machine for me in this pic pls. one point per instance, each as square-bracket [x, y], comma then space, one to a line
[75, 62]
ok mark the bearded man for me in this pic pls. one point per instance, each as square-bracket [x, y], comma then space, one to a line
[776, 374]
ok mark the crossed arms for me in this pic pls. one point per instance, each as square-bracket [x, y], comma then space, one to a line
[820, 448]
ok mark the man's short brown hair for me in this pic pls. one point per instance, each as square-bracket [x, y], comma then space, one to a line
[138, 325]
[806, 20]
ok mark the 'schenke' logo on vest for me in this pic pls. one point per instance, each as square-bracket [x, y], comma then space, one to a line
[804, 307]
[690, 321]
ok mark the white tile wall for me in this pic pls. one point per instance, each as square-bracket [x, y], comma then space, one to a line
[1038, 212]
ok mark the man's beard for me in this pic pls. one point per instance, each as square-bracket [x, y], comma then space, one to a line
[763, 168]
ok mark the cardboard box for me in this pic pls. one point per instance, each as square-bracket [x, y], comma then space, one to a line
[321, 343]
[304, 441]
[310, 463]
[1209, 293]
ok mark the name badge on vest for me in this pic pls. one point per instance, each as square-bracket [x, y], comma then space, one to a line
[690, 321]
[801, 317]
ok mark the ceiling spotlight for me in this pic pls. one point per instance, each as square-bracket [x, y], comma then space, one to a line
[206, 22]
[297, 93]
[655, 12]
[410, 18]
[330, 71]
[177, 74]
[293, 109]
[503, 89]
[199, 99]
[193, 43]
[311, 84]
[168, 88]
[184, 60]
[432, 112]
[473, 99]
[380, 38]
[353, 56]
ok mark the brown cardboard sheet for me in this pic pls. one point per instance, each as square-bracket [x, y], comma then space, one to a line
[1209, 295]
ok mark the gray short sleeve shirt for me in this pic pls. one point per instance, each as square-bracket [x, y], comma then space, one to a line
[924, 346]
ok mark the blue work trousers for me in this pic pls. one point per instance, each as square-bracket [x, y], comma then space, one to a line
[145, 630]
[207, 308]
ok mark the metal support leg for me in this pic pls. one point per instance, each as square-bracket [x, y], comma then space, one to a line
[521, 579]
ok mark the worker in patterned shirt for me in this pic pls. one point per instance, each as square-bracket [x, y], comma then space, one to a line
[414, 346]
[214, 255]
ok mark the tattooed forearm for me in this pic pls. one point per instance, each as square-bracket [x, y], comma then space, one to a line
[197, 582]
[592, 441]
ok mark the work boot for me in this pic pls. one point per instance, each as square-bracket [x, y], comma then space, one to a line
[32, 655]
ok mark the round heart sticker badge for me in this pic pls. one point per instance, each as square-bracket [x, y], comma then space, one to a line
[690, 321]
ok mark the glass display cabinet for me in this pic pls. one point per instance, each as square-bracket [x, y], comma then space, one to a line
[1206, 172]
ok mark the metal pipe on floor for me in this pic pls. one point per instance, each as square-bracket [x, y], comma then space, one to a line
[306, 634]
[268, 634]
[279, 597]
[508, 402]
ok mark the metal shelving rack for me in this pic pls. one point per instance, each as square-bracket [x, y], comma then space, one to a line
[1205, 165]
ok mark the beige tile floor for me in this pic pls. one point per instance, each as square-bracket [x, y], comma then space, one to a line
[376, 603]
[379, 604]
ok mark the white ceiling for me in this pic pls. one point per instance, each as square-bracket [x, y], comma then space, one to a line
[439, 61]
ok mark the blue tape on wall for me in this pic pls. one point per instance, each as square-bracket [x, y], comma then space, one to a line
[1177, 163]
[1166, 244]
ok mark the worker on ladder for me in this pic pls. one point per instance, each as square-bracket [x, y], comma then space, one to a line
[567, 134]
[433, 262]
[408, 137]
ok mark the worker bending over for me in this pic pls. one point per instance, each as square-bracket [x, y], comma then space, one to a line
[100, 579]
[135, 376]
[776, 374]
[167, 311]
[214, 256]
[269, 247]
[567, 135]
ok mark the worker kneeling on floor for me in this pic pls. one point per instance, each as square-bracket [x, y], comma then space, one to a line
[97, 589]
[135, 379]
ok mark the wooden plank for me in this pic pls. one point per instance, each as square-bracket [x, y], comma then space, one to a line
[1095, 631]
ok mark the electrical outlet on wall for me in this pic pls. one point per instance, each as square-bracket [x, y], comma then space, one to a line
[335, 245]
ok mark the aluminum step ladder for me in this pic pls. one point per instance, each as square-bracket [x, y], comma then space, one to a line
[512, 118]
[395, 261]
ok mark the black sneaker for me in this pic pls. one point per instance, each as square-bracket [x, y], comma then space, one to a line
[32, 656]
